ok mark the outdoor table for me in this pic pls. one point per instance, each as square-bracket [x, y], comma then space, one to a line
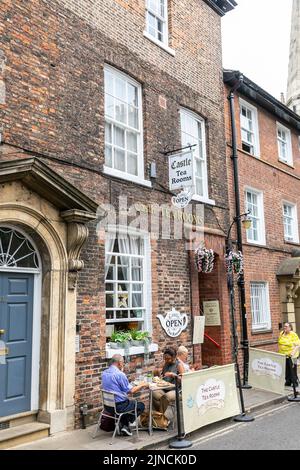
[153, 388]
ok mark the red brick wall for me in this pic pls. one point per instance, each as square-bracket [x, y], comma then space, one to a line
[55, 109]
[278, 182]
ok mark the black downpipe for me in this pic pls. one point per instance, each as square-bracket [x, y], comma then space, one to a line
[241, 280]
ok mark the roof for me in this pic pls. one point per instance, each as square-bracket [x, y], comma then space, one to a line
[289, 267]
[257, 94]
[221, 6]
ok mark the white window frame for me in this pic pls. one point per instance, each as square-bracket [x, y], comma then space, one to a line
[261, 219]
[158, 17]
[163, 44]
[289, 159]
[255, 131]
[265, 309]
[294, 224]
[147, 277]
[139, 178]
[197, 197]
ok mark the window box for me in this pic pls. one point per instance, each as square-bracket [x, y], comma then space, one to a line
[133, 350]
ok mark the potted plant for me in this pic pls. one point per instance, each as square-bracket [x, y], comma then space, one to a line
[139, 337]
[120, 339]
[204, 259]
[235, 262]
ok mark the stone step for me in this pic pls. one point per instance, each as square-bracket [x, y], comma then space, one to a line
[25, 433]
[18, 420]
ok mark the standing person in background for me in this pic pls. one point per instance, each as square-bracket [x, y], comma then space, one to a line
[288, 344]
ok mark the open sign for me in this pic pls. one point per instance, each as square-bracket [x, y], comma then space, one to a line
[174, 322]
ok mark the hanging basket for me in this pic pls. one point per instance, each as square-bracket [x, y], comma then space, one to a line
[204, 259]
[234, 262]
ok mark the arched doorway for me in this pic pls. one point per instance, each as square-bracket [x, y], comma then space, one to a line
[20, 321]
[43, 222]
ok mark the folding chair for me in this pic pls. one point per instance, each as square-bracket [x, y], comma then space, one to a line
[109, 400]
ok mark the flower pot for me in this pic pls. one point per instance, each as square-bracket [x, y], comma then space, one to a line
[136, 342]
[116, 345]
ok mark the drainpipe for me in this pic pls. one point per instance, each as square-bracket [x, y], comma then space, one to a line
[241, 281]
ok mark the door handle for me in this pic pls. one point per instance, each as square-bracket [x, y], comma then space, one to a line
[2, 332]
[4, 352]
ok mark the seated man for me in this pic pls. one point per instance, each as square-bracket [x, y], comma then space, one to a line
[114, 380]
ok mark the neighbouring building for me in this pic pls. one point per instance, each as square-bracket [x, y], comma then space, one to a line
[269, 186]
[293, 87]
[94, 96]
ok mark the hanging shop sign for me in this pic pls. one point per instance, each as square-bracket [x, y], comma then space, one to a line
[211, 310]
[174, 322]
[181, 170]
[182, 199]
[267, 370]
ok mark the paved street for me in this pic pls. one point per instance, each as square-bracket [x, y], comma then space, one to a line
[273, 429]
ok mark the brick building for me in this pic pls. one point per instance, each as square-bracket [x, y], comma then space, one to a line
[269, 185]
[94, 95]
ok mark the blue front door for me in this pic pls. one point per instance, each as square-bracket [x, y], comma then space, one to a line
[16, 316]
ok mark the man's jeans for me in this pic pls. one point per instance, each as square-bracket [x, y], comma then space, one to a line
[127, 405]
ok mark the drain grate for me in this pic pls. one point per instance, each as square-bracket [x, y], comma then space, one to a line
[5, 425]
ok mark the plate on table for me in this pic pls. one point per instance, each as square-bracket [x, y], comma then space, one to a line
[162, 383]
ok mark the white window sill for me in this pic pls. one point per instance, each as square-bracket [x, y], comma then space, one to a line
[255, 155]
[257, 242]
[125, 176]
[290, 164]
[203, 199]
[292, 242]
[261, 329]
[133, 350]
[159, 43]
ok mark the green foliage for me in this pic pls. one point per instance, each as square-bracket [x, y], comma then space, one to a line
[138, 335]
[120, 336]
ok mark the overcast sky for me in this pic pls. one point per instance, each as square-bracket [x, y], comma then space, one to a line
[256, 37]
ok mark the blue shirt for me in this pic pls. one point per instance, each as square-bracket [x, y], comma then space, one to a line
[114, 380]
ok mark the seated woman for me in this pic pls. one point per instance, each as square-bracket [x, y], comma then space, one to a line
[171, 368]
[182, 356]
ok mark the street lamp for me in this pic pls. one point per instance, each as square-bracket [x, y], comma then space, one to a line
[246, 222]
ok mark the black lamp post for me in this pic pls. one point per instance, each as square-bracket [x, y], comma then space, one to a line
[238, 81]
[243, 417]
[245, 220]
